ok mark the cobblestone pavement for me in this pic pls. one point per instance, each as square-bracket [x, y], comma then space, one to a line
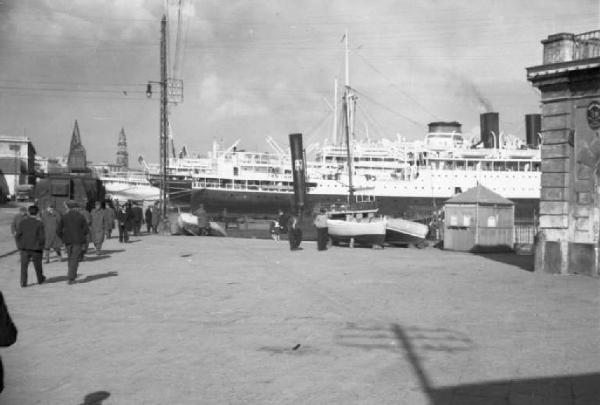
[202, 320]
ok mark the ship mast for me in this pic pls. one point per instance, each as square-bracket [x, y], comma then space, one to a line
[348, 99]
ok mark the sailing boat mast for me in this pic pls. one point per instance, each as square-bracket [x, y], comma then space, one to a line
[348, 98]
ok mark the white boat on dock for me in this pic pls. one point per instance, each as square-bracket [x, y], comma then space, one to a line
[404, 232]
[368, 231]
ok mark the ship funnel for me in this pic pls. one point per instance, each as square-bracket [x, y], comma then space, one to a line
[490, 129]
[533, 127]
[298, 170]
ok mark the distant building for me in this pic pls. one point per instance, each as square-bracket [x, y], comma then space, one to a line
[46, 165]
[17, 163]
[76, 161]
[122, 154]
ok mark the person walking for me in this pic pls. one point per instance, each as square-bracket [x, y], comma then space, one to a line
[88, 218]
[73, 230]
[155, 217]
[294, 232]
[283, 220]
[50, 220]
[137, 218]
[109, 219]
[124, 223]
[322, 232]
[8, 333]
[148, 218]
[98, 229]
[30, 240]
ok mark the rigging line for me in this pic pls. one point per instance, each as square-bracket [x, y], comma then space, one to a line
[370, 118]
[312, 131]
[66, 90]
[396, 86]
[385, 107]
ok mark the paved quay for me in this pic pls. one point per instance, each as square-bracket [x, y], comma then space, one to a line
[206, 320]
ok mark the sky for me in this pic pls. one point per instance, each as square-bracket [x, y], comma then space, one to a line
[258, 68]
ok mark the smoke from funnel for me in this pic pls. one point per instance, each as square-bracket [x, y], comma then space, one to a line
[470, 92]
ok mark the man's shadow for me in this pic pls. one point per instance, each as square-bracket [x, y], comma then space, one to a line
[87, 279]
[94, 277]
[95, 398]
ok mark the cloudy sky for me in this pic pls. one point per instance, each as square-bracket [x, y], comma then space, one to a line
[258, 68]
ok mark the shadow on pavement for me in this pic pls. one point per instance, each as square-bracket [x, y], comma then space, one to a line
[110, 252]
[56, 279]
[87, 279]
[95, 398]
[91, 257]
[414, 342]
[524, 262]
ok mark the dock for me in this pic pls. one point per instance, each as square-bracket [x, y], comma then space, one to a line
[207, 320]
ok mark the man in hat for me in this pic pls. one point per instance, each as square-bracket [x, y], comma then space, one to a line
[322, 231]
[73, 230]
[30, 240]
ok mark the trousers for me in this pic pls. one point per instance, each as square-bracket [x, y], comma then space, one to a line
[36, 257]
[74, 252]
[322, 238]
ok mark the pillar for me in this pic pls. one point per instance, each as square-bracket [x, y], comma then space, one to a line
[569, 82]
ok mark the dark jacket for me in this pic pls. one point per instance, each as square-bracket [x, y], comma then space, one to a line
[73, 228]
[30, 234]
[8, 334]
[148, 216]
[137, 214]
[125, 217]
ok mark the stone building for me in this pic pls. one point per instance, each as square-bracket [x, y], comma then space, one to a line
[17, 163]
[569, 81]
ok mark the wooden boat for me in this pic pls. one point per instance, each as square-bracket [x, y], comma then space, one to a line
[368, 232]
[404, 232]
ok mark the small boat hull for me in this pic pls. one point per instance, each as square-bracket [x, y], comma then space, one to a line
[401, 231]
[187, 224]
[363, 233]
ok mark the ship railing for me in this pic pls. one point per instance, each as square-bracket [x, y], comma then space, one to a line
[242, 186]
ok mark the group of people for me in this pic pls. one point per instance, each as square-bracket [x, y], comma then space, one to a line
[290, 224]
[37, 235]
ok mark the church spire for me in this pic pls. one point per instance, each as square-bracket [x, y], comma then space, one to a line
[76, 161]
[122, 154]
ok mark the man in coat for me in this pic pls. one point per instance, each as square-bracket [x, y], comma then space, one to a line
[148, 218]
[8, 333]
[109, 219]
[124, 220]
[294, 232]
[30, 240]
[97, 226]
[73, 230]
[137, 219]
[155, 217]
[50, 220]
[322, 231]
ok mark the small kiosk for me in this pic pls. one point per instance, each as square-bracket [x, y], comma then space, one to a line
[479, 220]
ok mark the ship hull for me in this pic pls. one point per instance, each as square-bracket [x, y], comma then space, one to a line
[262, 204]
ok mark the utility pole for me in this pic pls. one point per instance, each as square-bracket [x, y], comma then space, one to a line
[171, 91]
[164, 195]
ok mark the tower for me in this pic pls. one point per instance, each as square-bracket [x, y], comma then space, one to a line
[122, 154]
[76, 161]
